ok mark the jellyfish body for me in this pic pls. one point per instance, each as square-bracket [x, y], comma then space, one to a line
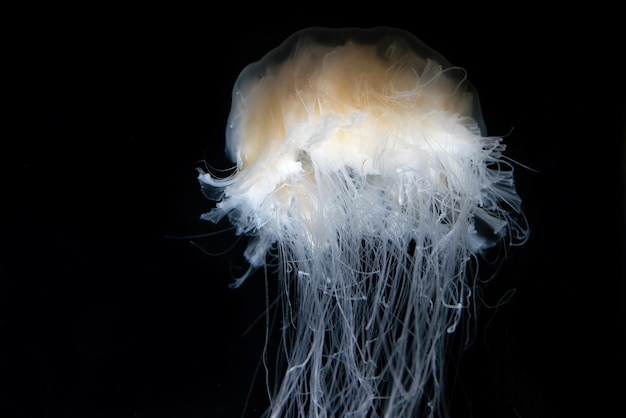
[363, 170]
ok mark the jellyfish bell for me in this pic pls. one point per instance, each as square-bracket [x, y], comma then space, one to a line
[364, 168]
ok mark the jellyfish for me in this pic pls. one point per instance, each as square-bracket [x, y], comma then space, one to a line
[363, 173]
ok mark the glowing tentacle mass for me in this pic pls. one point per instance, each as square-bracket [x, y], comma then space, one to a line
[363, 171]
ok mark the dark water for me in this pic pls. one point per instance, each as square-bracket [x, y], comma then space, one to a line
[102, 315]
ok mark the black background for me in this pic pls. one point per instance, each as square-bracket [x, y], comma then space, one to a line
[103, 315]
